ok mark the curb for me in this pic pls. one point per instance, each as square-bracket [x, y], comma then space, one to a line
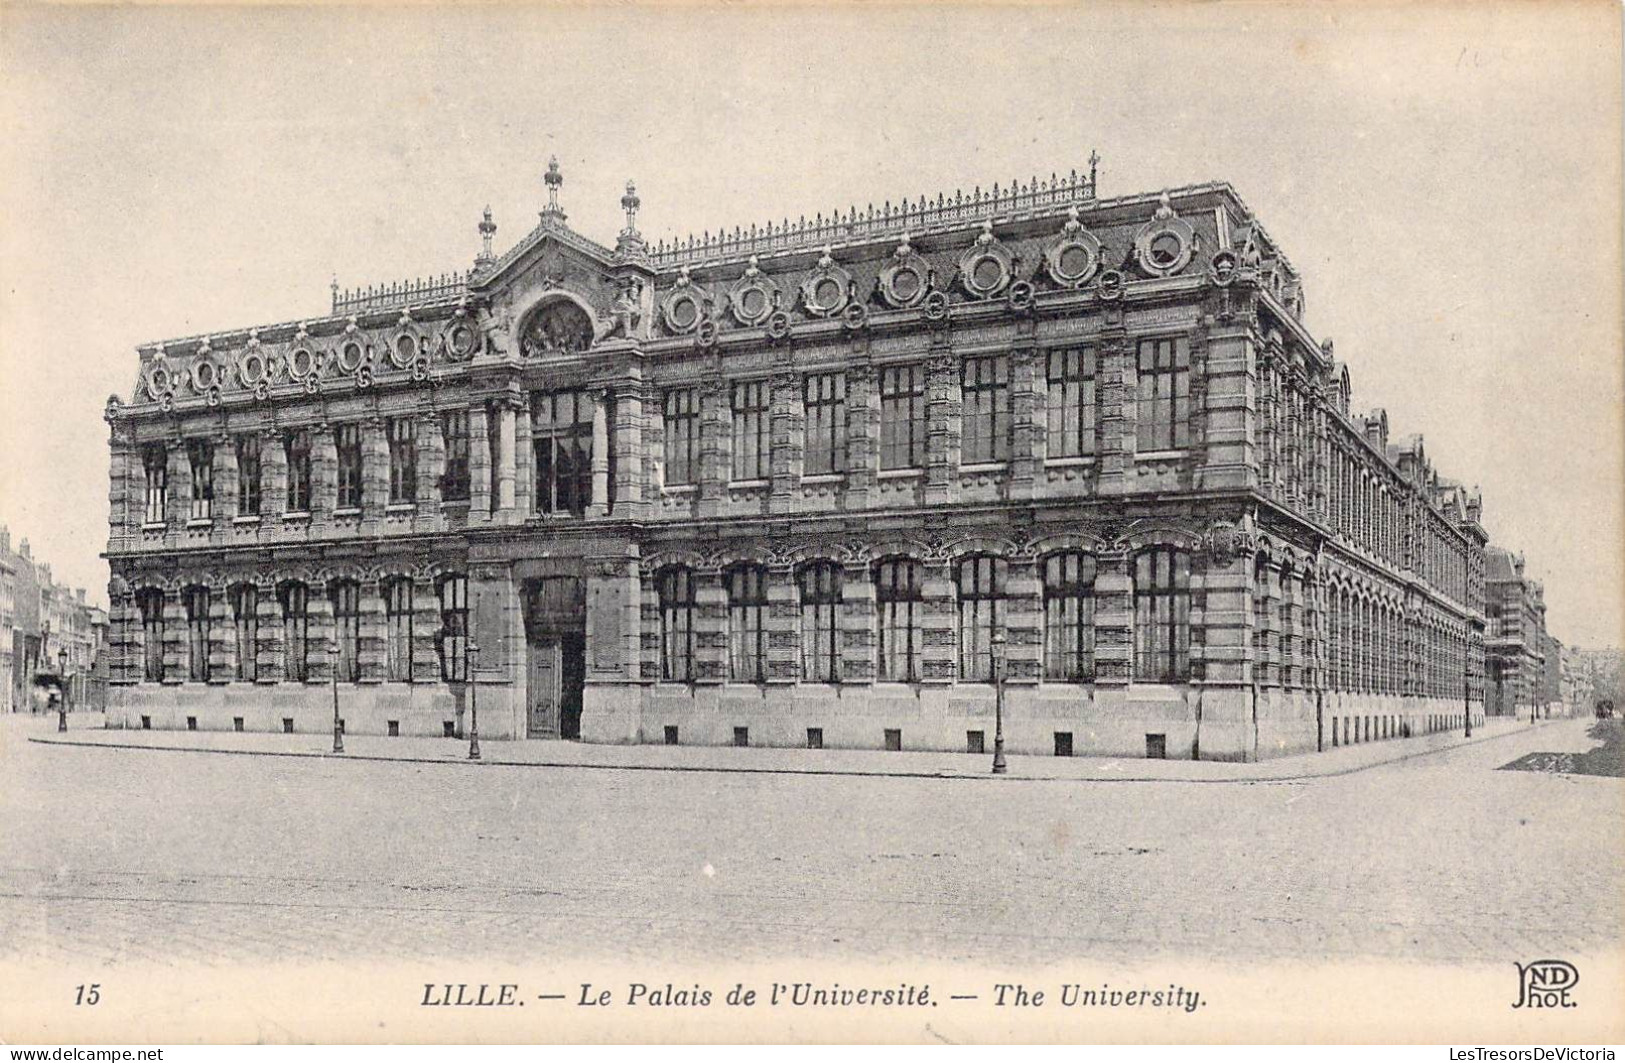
[744, 770]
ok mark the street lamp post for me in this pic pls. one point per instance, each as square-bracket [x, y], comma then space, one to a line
[338, 725]
[999, 766]
[62, 690]
[1467, 702]
[470, 664]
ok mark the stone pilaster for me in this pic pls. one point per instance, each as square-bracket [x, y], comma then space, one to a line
[268, 647]
[175, 658]
[1225, 655]
[788, 418]
[710, 627]
[506, 466]
[374, 474]
[524, 462]
[857, 621]
[371, 633]
[431, 466]
[1023, 621]
[627, 437]
[942, 438]
[321, 637]
[479, 463]
[227, 488]
[1114, 618]
[273, 475]
[122, 522]
[862, 438]
[1028, 427]
[222, 641]
[1229, 409]
[324, 473]
[425, 631]
[716, 447]
[599, 505]
[938, 619]
[654, 445]
[783, 625]
[1115, 379]
[178, 506]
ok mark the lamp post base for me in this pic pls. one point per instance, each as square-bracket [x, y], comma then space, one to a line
[61, 720]
[474, 747]
[338, 740]
[999, 766]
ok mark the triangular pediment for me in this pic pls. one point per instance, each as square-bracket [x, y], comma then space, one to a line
[550, 253]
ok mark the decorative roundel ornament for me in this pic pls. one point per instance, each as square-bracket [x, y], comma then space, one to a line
[213, 395]
[1164, 245]
[363, 376]
[936, 306]
[206, 374]
[351, 355]
[1110, 285]
[855, 316]
[754, 297]
[682, 309]
[778, 325]
[462, 340]
[159, 377]
[252, 365]
[420, 369]
[827, 289]
[985, 268]
[906, 280]
[1021, 295]
[1072, 257]
[706, 334]
[304, 363]
[1221, 268]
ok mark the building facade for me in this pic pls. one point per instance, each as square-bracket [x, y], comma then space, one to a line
[809, 484]
[1524, 677]
[39, 618]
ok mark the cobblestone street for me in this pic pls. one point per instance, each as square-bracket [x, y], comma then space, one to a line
[116, 856]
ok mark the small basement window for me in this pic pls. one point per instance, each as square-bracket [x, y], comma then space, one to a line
[287, 725]
[236, 723]
[1156, 747]
[815, 738]
[146, 723]
[394, 728]
[975, 741]
[1063, 743]
[191, 723]
[894, 739]
[448, 729]
[671, 734]
[741, 736]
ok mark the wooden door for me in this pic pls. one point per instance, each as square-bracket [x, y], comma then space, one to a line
[543, 688]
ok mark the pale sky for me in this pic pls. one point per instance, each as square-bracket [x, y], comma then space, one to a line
[1446, 178]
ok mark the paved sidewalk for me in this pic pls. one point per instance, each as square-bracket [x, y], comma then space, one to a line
[727, 759]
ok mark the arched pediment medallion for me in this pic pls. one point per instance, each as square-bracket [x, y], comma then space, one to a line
[558, 326]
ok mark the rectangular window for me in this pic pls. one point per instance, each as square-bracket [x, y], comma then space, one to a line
[295, 631]
[561, 433]
[197, 634]
[893, 737]
[1164, 407]
[975, 741]
[985, 397]
[150, 602]
[1063, 743]
[897, 597]
[824, 395]
[398, 630]
[245, 599]
[200, 457]
[741, 736]
[248, 475]
[454, 432]
[347, 441]
[296, 448]
[155, 464]
[815, 738]
[820, 583]
[981, 588]
[403, 459]
[675, 587]
[1071, 403]
[752, 425]
[493, 445]
[453, 640]
[902, 417]
[1069, 617]
[747, 624]
[1162, 615]
[682, 418]
[671, 734]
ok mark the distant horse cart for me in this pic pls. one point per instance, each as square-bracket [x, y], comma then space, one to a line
[1605, 709]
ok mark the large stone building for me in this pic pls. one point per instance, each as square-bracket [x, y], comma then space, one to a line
[801, 485]
[1524, 677]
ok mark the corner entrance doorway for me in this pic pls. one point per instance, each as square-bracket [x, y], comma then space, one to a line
[556, 671]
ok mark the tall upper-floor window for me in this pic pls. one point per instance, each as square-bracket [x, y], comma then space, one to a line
[1072, 402]
[296, 449]
[981, 593]
[403, 459]
[345, 597]
[452, 641]
[454, 436]
[824, 397]
[294, 598]
[561, 433]
[1262, 623]
[1164, 407]
[985, 406]
[245, 624]
[752, 430]
[897, 601]
[347, 442]
[398, 629]
[155, 466]
[674, 588]
[248, 475]
[1162, 629]
[681, 407]
[150, 603]
[747, 623]
[1069, 617]
[494, 450]
[200, 459]
[902, 417]
[820, 586]
[197, 634]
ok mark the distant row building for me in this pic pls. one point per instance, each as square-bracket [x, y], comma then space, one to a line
[812, 484]
[40, 617]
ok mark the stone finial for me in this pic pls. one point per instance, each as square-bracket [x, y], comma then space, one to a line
[553, 179]
[630, 204]
[488, 229]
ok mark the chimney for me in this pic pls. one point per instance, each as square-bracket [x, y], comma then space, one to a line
[24, 552]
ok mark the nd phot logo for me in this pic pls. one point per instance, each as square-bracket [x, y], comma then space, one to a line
[1546, 984]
